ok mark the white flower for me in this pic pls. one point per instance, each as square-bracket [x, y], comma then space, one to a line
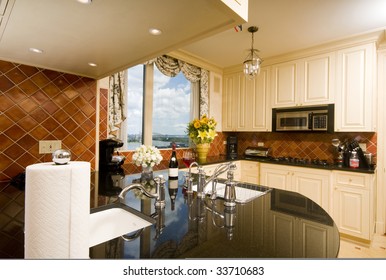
[146, 156]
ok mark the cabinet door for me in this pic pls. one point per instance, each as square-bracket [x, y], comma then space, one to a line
[319, 74]
[249, 172]
[229, 117]
[275, 177]
[283, 238]
[261, 112]
[314, 184]
[284, 84]
[355, 86]
[314, 233]
[351, 211]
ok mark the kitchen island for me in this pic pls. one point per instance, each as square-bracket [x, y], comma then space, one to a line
[278, 224]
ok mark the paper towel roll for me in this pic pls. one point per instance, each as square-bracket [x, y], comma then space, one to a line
[57, 210]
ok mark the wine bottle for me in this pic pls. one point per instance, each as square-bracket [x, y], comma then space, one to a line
[173, 164]
[173, 190]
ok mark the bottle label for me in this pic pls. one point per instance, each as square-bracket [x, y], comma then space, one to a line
[173, 172]
[173, 184]
[354, 163]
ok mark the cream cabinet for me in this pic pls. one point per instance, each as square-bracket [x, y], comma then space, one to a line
[304, 82]
[249, 171]
[245, 102]
[310, 182]
[355, 106]
[353, 203]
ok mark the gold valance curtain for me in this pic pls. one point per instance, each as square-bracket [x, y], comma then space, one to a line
[198, 77]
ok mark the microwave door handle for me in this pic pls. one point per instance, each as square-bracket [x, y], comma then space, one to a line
[310, 121]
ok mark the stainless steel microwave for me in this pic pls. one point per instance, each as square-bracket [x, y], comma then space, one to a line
[317, 119]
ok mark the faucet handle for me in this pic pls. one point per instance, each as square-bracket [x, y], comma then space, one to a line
[160, 180]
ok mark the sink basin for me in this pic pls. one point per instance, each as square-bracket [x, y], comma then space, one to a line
[111, 221]
[243, 194]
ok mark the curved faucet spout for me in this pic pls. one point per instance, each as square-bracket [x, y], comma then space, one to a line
[136, 186]
[159, 195]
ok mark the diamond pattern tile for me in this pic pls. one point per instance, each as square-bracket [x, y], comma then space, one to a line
[39, 104]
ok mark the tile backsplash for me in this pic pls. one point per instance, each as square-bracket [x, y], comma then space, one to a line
[39, 104]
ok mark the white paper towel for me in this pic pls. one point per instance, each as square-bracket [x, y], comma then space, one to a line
[57, 210]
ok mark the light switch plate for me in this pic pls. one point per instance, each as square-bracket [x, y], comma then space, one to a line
[49, 146]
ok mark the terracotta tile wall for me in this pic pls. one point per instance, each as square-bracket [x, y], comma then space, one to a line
[38, 104]
[302, 145]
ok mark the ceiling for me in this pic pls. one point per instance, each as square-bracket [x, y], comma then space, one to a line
[114, 34]
[286, 26]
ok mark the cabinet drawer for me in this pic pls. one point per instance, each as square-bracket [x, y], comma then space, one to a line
[350, 179]
[250, 167]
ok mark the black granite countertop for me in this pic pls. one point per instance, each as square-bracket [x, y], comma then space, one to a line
[279, 224]
[329, 166]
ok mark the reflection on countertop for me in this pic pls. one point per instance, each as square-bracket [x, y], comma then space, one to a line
[279, 224]
[318, 164]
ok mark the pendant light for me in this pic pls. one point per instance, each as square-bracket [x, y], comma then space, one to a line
[252, 62]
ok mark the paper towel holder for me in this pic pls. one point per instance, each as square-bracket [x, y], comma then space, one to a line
[61, 156]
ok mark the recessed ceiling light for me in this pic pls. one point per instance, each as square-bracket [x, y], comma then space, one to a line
[92, 64]
[155, 31]
[35, 50]
[84, 1]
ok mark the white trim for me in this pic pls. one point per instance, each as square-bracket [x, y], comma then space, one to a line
[381, 140]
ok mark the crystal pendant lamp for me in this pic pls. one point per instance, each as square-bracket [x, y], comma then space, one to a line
[252, 62]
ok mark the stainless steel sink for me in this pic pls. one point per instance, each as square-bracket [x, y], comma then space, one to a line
[244, 192]
[114, 220]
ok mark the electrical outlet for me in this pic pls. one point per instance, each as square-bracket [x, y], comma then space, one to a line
[260, 144]
[225, 142]
[49, 146]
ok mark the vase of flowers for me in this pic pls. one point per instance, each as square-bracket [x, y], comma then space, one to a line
[202, 132]
[147, 157]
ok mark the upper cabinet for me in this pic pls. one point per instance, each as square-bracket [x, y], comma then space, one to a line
[355, 97]
[246, 102]
[303, 82]
[343, 74]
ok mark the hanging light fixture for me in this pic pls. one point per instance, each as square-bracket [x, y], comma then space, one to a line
[252, 62]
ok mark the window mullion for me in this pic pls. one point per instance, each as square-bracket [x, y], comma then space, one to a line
[148, 104]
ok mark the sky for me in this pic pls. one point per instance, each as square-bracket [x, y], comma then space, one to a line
[171, 105]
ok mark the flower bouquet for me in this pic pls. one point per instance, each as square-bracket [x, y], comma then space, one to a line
[202, 132]
[147, 157]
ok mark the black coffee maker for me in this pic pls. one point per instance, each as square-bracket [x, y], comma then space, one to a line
[232, 147]
[108, 162]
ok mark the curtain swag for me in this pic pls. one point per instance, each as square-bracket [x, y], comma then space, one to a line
[170, 67]
[116, 104]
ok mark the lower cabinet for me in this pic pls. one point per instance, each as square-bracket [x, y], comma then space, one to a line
[349, 198]
[295, 237]
[353, 203]
[249, 171]
[310, 182]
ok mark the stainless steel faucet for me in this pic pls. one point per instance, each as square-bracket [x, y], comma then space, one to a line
[159, 195]
[230, 191]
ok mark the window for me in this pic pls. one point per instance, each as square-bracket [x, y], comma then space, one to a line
[170, 111]
[134, 119]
